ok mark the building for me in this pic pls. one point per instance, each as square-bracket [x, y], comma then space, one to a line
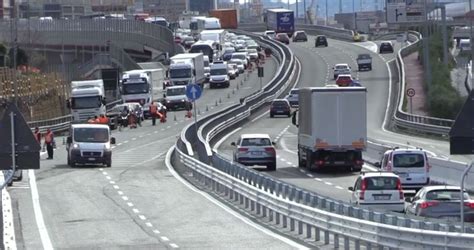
[169, 9]
[203, 6]
[362, 20]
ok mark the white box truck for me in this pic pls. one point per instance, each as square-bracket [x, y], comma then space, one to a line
[186, 68]
[137, 86]
[332, 127]
[87, 99]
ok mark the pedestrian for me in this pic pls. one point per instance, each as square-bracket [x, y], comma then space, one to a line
[49, 141]
[153, 113]
[103, 119]
[38, 135]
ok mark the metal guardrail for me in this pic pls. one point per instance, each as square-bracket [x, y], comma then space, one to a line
[331, 32]
[408, 121]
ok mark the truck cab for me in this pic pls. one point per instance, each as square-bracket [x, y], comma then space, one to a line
[219, 76]
[186, 68]
[89, 144]
[137, 86]
[175, 98]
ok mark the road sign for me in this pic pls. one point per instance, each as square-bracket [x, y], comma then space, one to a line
[27, 149]
[193, 92]
[405, 11]
[410, 92]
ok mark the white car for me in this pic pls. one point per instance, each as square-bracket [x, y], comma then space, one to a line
[270, 33]
[411, 165]
[380, 190]
[239, 63]
[242, 56]
[233, 70]
[255, 149]
[341, 68]
[253, 54]
[293, 97]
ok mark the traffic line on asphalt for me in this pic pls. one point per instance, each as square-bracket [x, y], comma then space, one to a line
[8, 224]
[339, 187]
[112, 182]
[328, 183]
[116, 187]
[148, 224]
[120, 192]
[173, 245]
[142, 217]
[164, 238]
[218, 144]
[45, 240]
[135, 210]
[156, 231]
[125, 198]
[130, 204]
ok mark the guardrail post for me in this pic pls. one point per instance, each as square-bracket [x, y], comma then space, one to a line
[270, 215]
[368, 246]
[300, 227]
[371, 215]
[285, 221]
[277, 218]
[346, 243]
[317, 234]
[258, 208]
[252, 205]
[246, 201]
[336, 241]
[308, 231]
[264, 211]
[326, 237]
[356, 244]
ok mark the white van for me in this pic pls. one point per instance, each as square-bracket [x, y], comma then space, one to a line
[411, 165]
[219, 75]
[464, 45]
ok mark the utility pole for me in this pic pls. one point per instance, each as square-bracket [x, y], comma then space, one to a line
[327, 13]
[470, 34]
[354, 12]
[426, 50]
[445, 35]
[340, 6]
[304, 10]
[297, 16]
[14, 38]
[288, 4]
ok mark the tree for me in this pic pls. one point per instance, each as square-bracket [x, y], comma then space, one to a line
[21, 57]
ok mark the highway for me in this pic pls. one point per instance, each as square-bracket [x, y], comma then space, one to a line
[138, 202]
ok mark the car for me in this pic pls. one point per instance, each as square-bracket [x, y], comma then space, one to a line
[239, 63]
[280, 107]
[344, 80]
[379, 190]
[410, 164]
[320, 41]
[242, 56]
[282, 37]
[227, 53]
[233, 71]
[270, 33]
[253, 54]
[255, 149]
[341, 68]
[300, 36]
[293, 97]
[386, 47]
[441, 201]
[187, 41]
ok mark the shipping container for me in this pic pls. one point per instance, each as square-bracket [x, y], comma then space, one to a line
[228, 17]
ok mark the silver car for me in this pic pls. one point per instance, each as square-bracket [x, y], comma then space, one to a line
[255, 149]
[239, 63]
[441, 202]
[293, 97]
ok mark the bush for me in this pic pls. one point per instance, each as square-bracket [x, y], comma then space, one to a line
[443, 99]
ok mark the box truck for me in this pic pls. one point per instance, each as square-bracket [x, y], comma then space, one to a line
[228, 17]
[280, 20]
[137, 86]
[87, 99]
[186, 68]
[332, 127]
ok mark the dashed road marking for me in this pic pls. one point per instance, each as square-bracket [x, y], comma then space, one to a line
[310, 175]
[134, 139]
[156, 231]
[136, 211]
[164, 238]
[148, 224]
[112, 182]
[339, 187]
[116, 187]
[318, 179]
[104, 173]
[130, 204]
[125, 198]
[173, 245]
[125, 142]
[142, 217]
[328, 183]
[120, 192]
[108, 177]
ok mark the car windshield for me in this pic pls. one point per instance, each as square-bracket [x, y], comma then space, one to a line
[256, 142]
[364, 56]
[381, 183]
[344, 78]
[408, 160]
[340, 67]
[239, 56]
[138, 88]
[218, 71]
[321, 38]
[280, 103]
[238, 62]
[86, 102]
[446, 195]
[175, 91]
[98, 135]
[294, 92]
[300, 35]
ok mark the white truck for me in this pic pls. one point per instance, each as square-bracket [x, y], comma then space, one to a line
[332, 127]
[186, 68]
[87, 99]
[137, 86]
[89, 144]
[175, 98]
[219, 75]
[216, 36]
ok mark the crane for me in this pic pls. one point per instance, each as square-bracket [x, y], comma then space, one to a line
[310, 12]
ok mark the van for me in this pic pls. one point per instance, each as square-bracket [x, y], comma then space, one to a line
[411, 165]
[219, 76]
[89, 144]
[464, 45]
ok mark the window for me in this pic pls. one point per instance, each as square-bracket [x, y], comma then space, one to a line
[135, 88]
[86, 102]
[216, 72]
[408, 160]
[100, 135]
[175, 91]
[445, 195]
[381, 183]
[256, 142]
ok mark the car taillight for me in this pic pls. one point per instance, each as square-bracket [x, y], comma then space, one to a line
[270, 150]
[359, 162]
[469, 204]
[243, 149]
[427, 204]
[400, 190]
[363, 187]
[319, 162]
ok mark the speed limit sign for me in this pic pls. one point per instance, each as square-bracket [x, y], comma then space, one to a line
[410, 92]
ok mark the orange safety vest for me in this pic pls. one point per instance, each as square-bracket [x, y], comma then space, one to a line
[48, 138]
[153, 108]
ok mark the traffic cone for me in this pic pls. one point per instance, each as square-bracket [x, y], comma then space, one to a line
[233, 90]
[228, 95]
[238, 86]
[217, 104]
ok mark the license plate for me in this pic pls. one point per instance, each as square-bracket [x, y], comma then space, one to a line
[382, 197]
[91, 159]
[256, 153]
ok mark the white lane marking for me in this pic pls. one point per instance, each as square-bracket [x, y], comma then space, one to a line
[310, 175]
[118, 144]
[133, 139]
[136, 211]
[156, 132]
[125, 142]
[318, 179]
[125, 198]
[113, 147]
[260, 116]
[227, 209]
[164, 238]
[284, 147]
[156, 231]
[218, 144]
[302, 171]
[116, 187]
[120, 192]
[9, 241]
[112, 182]
[45, 240]
[328, 183]
[148, 224]
[104, 173]
[108, 177]
[130, 204]
[142, 217]
[339, 187]
[174, 245]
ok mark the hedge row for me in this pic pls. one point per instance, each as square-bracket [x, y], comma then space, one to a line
[443, 100]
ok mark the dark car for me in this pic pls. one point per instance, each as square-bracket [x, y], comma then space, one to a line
[321, 41]
[227, 56]
[386, 47]
[280, 107]
[441, 202]
[300, 36]
[187, 41]
[283, 37]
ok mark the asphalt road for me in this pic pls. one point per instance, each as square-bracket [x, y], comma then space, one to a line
[137, 203]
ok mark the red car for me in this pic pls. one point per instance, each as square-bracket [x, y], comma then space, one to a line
[344, 80]
[177, 39]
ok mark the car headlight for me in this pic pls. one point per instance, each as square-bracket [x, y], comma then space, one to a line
[168, 101]
[182, 100]
[107, 146]
[75, 145]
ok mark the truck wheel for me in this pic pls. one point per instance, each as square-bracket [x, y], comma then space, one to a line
[308, 160]
[272, 167]
[109, 163]
[68, 161]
